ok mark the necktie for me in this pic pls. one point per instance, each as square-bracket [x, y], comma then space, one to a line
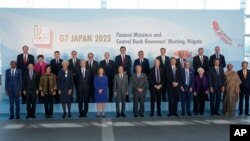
[163, 59]
[12, 72]
[174, 72]
[158, 79]
[121, 76]
[31, 74]
[201, 60]
[74, 62]
[187, 77]
[245, 74]
[217, 56]
[57, 61]
[83, 73]
[90, 64]
[182, 64]
[140, 61]
[217, 70]
[123, 59]
[107, 62]
[25, 59]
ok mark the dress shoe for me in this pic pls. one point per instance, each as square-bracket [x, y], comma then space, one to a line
[247, 114]
[169, 115]
[123, 115]
[47, 116]
[17, 117]
[240, 113]
[135, 116]
[176, 115]
[141, 115]
[195, 114]
[189, 114]
[50, 116]
[212, 114]
[118, 115]
[182, 114]
[64, 115]
[33, 116]
[11, 117]
[69, 115]
[218, 114]
[27, 117]
[151, 115]
[159, 115]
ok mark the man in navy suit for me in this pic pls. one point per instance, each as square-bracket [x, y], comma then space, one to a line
[173, 80]
[216, 79]
[219, 56]
[124, 60]
[201, 61]
[165, 63]
[143, 62]
[56, 65]
[187, 83]
[22, 62]
[181, 60]
[244, 75]
[109, 67]
[13, 88]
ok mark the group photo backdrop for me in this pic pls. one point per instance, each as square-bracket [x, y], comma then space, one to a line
[99, 31]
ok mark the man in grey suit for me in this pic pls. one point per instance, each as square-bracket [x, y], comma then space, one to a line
[120, 91]
[139, 82]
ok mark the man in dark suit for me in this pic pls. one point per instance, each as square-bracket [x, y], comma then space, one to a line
[201, 61]
[219, 56]
[187, 84]
[156, 84]
[74, 65]
[13, 88]
[216, 79]
[124, 60]
[30, 89]
[109, 68]
[92, 66]
[244, 75]
[22, 62]
[83, 79]
[165, 62]
[56, 65]
[143, 62]
[173, 80]
[181, 60]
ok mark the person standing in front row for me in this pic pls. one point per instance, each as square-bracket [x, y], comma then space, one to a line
[47, 87]
[13, 88]
[65, 86]
[156, 84]
[83, 80]
[101, 94]
[31, 89]
[22, 63]
[173, 80]
[120, 91]
[139, 83]
[109, 68]
[216, 79]
[200, 91]
[244, 75]
[124, 60]
[187, 84]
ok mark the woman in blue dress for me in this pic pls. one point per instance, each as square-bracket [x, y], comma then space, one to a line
[101, 95]
[65, 85]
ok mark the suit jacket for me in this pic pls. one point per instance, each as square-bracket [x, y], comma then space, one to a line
[216, 81]
[65, 83]
[152, 78]
[191, 78]
[244, 82]
[167, 61]
[198, 64]
[13, 83]
[178, 63]
[144, 65]
[45, 87]
[127, 64]
[109, 69]
[139, 82]
[222, 60]
[170, 77]
[83, 82]
[72, 67]
[31, 85]
[120, 85]
[20, 62]
[93, 69]
[56, 67]
[198, 86]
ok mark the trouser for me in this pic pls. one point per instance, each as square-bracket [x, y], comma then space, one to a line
[31, 103]
[173, 98]
[75, 86]
[14, 99]
[68, 106]
[120, 98]
[40, 98]
[91, 91]
[57, 97]
[215, 99]
[110, 90]
[244, 92]
[199, 102]
[164, 94]
[155, 96]
[83, 100]
[48, 104]
[139, 97]
[185, 101]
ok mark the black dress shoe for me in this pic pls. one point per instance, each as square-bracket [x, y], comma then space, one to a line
[169, 115]
[141, 115]
[47, 116]
[195, 114]
[159, 115]
[247, 114]
[33, 116]
[50, 116]
[27, 117]
[182, 114]
[118, 115]
[202, 114]
[123, 115]
[17, 117]
[189, 114]
[69, 115]
[240, 113]
[212, 114]
[218, 114]
[64, 115]
[176, 115]
[11, 117]
[135, 116]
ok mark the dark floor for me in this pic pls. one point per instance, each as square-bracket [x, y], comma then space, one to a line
[197, 128]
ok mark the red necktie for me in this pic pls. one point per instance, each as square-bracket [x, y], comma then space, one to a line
[25, 59]
[123, 60]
